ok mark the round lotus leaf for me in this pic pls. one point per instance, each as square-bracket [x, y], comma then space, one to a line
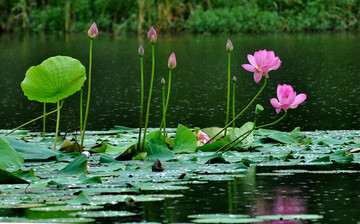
[59, 75]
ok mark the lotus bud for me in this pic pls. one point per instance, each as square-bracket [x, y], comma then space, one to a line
[86, 153]
[172, 61]
[162, 81]
[152, 36]
[141, 50]
[93, 31]
[229, 46]
[234, 79]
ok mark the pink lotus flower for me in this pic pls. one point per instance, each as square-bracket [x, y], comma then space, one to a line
[141, 50]
[152, 36]
[261, 63]
[172, 61]
[202, 138]
[93, 31]
[287, 98]
[229, 46]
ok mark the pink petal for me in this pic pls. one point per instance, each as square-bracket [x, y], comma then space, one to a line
[258, 58]
[278, 111]
[298, 99]
[275, 103]
[277, 65]
[269, 57]
[252, 60]
[279, 92]
[266, 74]
[248, 67]
[257, 76]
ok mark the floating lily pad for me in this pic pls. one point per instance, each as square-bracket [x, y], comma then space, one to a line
[290, 217]
[67, 208]
[223, 218]
[95, 214]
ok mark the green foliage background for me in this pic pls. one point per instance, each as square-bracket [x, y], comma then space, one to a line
[198, 16]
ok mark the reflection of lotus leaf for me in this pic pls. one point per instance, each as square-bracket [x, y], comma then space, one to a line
[59, 75]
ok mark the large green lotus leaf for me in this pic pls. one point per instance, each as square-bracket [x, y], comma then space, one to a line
[284, 137]
[56, 75]
[10, 178]
[9, 157]
[156, 148]
[185, 140]
[77, 166]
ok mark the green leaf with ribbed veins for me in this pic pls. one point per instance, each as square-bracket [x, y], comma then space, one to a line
[54, 79]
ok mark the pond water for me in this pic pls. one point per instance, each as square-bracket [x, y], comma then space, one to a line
[324, 66]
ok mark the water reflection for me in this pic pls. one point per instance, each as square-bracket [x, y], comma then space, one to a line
[321, 65]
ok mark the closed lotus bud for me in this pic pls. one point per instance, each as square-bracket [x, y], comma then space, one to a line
[172, 61]
[141, 51]
[229, 46]
[162, 81]
[152, 36]
[234, 79]
[93, 31]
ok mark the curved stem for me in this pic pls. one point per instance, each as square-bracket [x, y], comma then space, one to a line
[150, 93]
[228, 94]
[231, 142]
[265, 125]
[57, 121]
[167, 100]
[88, 96]
[44, 122]
[142, 100]
[35, 119]
[237, 116]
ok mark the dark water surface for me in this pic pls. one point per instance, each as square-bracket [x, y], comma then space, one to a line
[324, 66]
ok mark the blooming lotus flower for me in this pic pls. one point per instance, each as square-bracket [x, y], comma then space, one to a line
[229, 46]
[152, 36]
[172, 61]
[261, 63]
[93, 31]
[202, 138]
[287, 98]
[141, 50]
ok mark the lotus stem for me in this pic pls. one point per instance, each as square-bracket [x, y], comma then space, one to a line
[81, 110]
[233, 103]
[167, 102]
[163, 121]
[44, 122]
[150, 93]
[57, 121]
[88, 96]
[235, 141]
[228, 94]
[266, 125]
[35, 119]
[142, 100]
[237, 116]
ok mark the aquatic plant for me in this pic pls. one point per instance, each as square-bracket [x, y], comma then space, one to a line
[229, 49]
[92, 34]
[201, 137]
[141, 54]
[171, 66]
[152, 37]
[261, 63]
[54, 79]
[286, 98]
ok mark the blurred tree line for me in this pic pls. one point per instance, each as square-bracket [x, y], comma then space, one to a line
[198, 16]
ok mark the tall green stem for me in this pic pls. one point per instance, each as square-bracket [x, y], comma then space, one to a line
[237, 116]
[163, 121]
[265, 125]
[44, 122]
[57, 121]
[233, 105]
[228, 94]
[150, 93]
[35, 119]
[88, 96]
[167, 101]
[142, 100]
[81, 110]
